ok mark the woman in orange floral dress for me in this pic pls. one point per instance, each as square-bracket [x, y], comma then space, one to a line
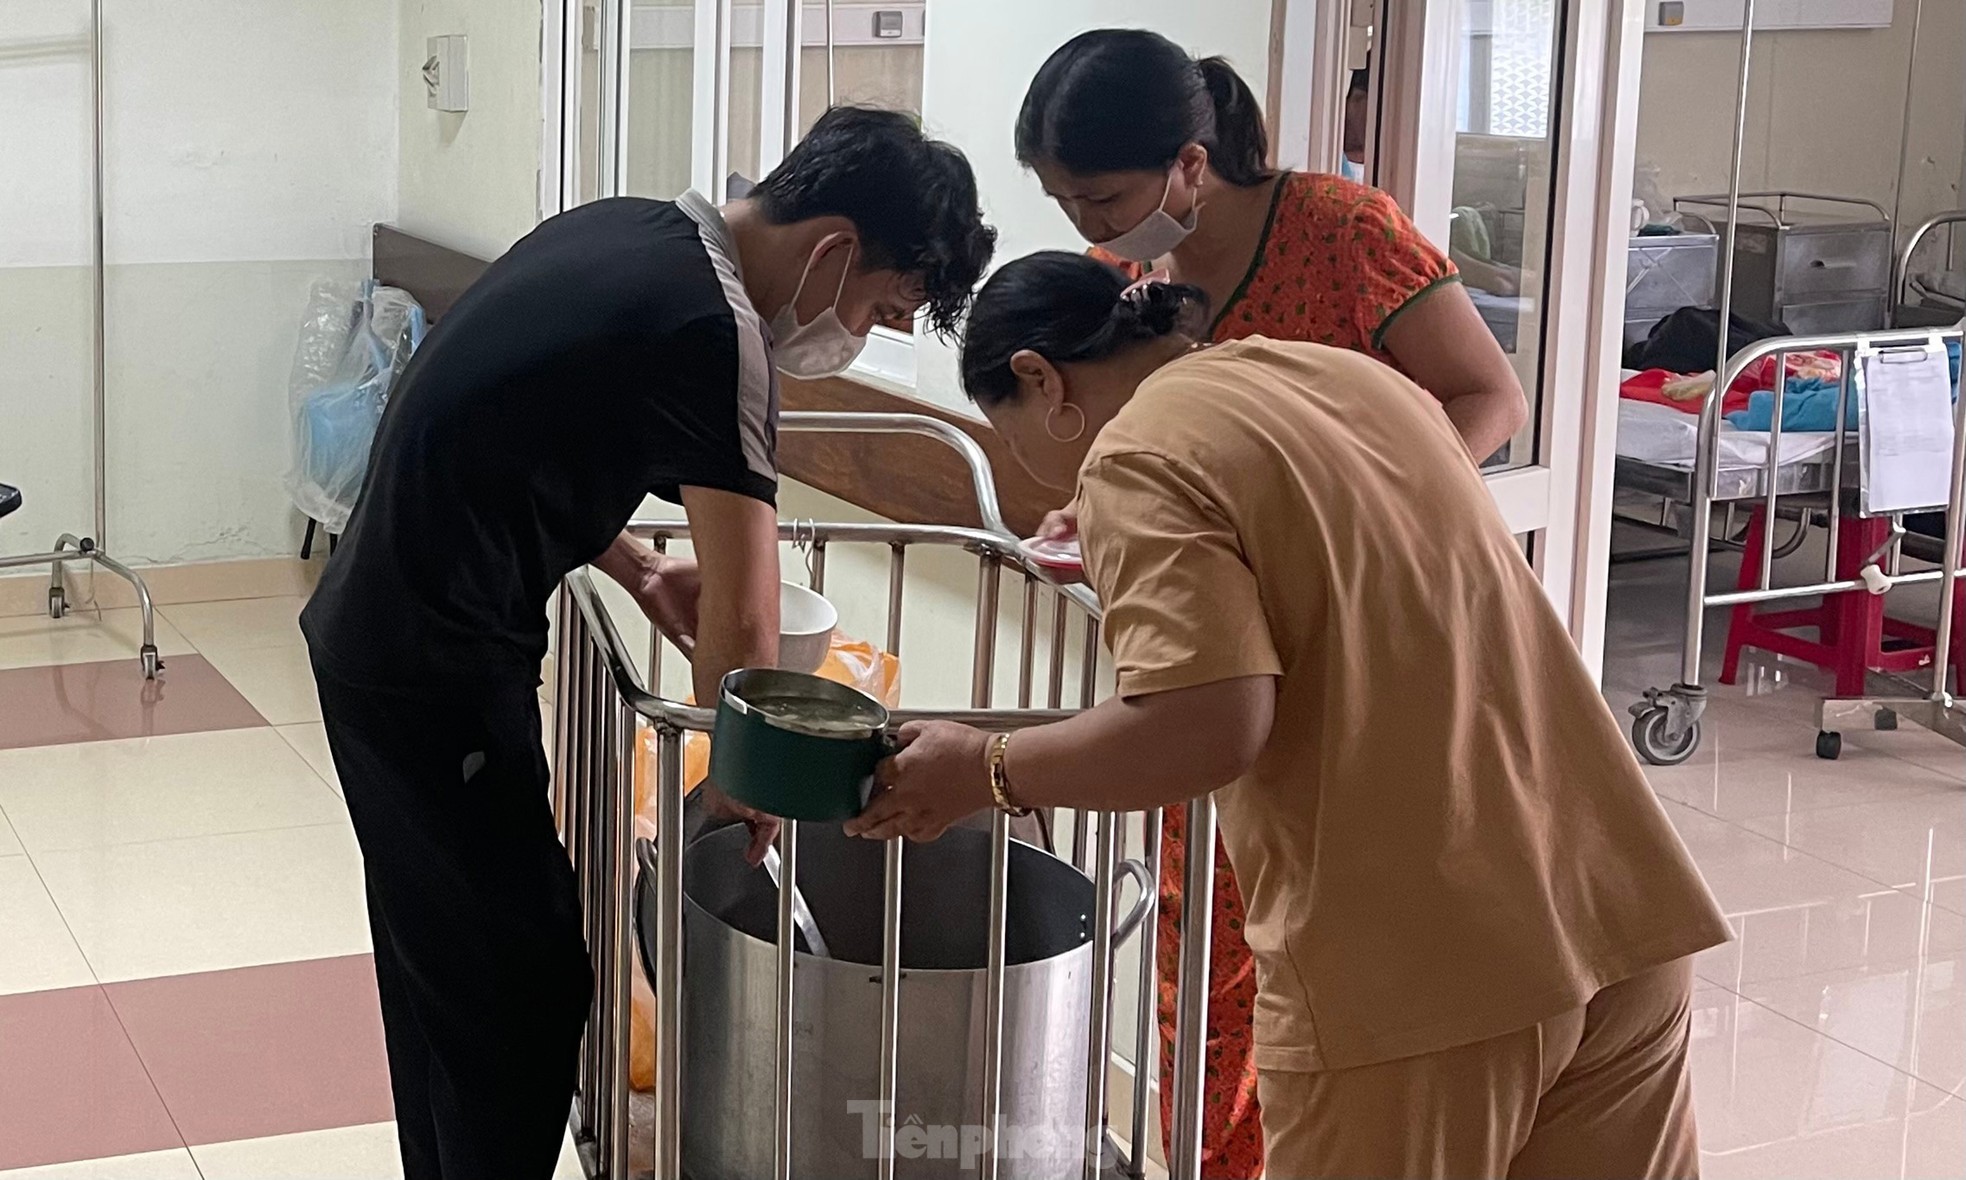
[1161, 161]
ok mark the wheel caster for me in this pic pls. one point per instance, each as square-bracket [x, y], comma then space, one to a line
[152, 663]
[1650, 737]
[1829, 745]
[57, 603]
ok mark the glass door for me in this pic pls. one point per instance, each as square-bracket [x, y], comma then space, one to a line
[1498, 230]
[1506, 127]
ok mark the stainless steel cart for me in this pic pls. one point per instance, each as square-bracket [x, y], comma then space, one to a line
[603, 702]
[1665, 273]
[1815, 263]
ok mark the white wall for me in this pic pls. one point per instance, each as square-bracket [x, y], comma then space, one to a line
[249, 146]
[471, 179]
[1825, 112]
[979, 59]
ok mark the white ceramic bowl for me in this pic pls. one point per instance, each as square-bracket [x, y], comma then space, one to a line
[805, 628]
[1061, 556]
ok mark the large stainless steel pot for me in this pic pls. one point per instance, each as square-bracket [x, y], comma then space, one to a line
[729, 1009]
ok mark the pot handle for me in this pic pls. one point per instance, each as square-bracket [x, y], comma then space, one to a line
[1124, 928]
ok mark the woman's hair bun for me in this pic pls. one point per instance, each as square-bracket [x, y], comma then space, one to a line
[1068, 308]
[1162, 308]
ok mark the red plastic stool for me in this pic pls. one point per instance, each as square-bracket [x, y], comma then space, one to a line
[1853, 635]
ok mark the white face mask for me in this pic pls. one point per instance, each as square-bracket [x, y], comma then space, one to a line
[1156, 235]
[1353, 170]
[822, 348]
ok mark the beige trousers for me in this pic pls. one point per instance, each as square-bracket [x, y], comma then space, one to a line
[1597, 1093]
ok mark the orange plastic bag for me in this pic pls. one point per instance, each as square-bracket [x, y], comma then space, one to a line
[850, 662]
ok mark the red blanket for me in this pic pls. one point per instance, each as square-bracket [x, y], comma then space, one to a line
[1648, 385]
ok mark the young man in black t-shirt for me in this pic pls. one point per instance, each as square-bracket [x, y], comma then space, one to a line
[624, 348]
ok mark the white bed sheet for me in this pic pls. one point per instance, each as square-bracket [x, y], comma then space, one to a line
[1652, 433]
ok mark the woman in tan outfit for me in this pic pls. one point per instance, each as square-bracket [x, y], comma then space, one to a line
[1471, 920]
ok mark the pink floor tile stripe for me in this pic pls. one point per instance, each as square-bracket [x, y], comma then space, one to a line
[59, 704]
[190, 1059]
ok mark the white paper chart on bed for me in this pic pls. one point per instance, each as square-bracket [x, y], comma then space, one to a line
[1906, 429]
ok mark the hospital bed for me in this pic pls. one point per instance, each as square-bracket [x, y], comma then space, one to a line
[1654, 472]
[1657, 445]
[1812, 479]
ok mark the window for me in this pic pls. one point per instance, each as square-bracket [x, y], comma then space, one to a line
[1506, 65]
[698, 98]
[661, 98]
[1499, 230]
[864, 66]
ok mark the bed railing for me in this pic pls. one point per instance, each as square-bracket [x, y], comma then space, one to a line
[603, 700]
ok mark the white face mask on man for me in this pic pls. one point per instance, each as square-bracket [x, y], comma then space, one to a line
[1156, 235]
[822, 347]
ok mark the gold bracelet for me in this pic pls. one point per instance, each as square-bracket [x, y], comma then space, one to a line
[1000, 778]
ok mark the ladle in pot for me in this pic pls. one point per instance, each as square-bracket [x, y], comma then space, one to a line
[801, 916]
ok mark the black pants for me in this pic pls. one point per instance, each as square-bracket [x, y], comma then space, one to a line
[479, 959]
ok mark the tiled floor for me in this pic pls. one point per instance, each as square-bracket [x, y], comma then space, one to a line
[1830, 1036]
[185, 986]
[185, 992]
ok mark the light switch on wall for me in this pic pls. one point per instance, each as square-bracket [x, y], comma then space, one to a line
[447, 74]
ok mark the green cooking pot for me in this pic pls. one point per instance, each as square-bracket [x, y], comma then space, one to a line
[797, 746]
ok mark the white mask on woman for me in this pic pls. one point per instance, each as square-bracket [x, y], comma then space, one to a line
[1156, 235]
[822, 347]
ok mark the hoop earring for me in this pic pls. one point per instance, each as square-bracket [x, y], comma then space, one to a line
[1076, 435]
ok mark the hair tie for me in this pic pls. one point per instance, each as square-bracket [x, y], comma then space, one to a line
[1132, 291]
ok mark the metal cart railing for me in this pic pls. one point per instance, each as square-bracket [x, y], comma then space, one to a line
[602, 701]
[1911, 306]
[1774, 205]
[1666, 722]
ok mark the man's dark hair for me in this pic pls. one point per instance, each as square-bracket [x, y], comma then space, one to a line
[912, 198]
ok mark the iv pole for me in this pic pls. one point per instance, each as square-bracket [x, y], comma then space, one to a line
[70, 547]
